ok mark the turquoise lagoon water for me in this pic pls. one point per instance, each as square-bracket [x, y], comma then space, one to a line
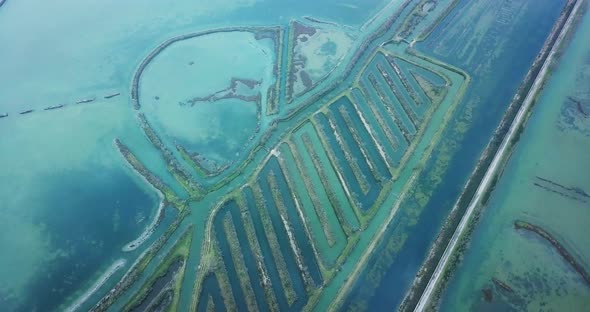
[205, 126]
[497, 56]
[68, 201]
[555, 146]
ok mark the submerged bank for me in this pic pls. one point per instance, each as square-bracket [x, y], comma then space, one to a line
[563, 252]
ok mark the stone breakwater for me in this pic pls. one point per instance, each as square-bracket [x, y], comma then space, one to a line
[60, 106]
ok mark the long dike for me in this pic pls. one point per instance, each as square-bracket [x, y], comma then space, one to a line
[480, 185]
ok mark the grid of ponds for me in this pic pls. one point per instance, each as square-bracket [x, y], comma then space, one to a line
[284, 235]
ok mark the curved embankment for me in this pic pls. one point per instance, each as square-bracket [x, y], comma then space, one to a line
[162, 46]
[566, 255]
[491, 174]
[110, 271]
[149, 230]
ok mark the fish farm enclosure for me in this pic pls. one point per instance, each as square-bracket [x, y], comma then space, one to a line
[247, 155]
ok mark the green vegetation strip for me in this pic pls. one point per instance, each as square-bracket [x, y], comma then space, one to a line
[393, 141]
[428, 30]
[255, 247]
[220, 272]
[413, 19]
[239, 263]
[403, 78]
[139, 267]
[180, 174]
[373, 135]
[287, 284]
[320, 130]
[298, 205]
[280, 206]
[195, 163]
[152, 179]
[397, 92]
[210, 304]
[360, 143]
[179, 251]
[385, 100]
[273, 94]
[435, 93]
[352, 161]
[341, 205]
[319, 210]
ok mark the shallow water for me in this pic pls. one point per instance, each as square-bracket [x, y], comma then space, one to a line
[69, 202]
[553, 146]
[494, 82]
[67, 210]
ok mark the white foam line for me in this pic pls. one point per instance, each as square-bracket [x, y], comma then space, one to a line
[99, 283]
